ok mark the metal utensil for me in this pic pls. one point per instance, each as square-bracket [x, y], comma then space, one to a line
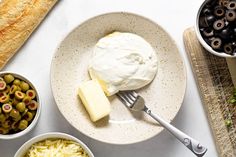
[135, 102]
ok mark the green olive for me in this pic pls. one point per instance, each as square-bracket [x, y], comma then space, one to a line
[17, 118]
[15, 101]
[2, 93]
[14, 113]
[7, 89]
[7, 115]
[33, 105]
[33, 112]
[14, 125]
[24, 86]
[25, 111]
[6, 108]
[3, 130]
[2, 118]
[28, 116]
[16, 82]
[2, 84]
[6, 124]
[23, 124]
[26, 100]
[19, 95]
[4, 99]
[9, 78]
[18, 88]
[13, 89]
[31, 93]
[20, 106]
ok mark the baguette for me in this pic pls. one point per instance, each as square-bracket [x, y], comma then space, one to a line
[18, 19]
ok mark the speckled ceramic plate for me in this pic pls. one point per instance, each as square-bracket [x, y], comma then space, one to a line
[164, 95]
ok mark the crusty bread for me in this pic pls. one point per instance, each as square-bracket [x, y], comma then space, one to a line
[18, 19]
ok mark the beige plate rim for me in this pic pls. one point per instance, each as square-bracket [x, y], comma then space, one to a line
[139, 16]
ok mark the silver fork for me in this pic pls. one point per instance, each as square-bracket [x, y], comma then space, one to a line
[135, 102]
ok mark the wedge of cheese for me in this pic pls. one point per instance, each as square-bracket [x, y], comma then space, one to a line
[94, 99]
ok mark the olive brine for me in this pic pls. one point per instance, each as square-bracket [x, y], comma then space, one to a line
[18, 104]
[217, 23]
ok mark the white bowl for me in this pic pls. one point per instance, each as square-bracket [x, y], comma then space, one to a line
[203, 42]
[35, 120]
[24, 148]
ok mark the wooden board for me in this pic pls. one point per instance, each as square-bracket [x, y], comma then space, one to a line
[215, 77]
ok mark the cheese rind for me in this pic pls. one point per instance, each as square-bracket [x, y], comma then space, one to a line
[94, 99]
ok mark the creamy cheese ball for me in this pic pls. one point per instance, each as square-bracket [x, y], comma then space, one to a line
[123, 61]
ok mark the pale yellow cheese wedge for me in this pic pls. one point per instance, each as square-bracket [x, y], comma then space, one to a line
[94, 99]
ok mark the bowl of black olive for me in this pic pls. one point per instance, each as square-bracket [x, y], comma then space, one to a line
[216, 27]
[19, 105]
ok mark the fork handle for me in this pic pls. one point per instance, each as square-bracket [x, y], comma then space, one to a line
[189, 142]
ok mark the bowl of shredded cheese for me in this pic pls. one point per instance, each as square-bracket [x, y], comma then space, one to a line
[54, 144]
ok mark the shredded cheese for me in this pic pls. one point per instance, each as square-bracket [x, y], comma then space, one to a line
[56, 148]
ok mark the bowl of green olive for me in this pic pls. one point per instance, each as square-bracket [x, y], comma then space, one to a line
[19, 105]
[216, 27]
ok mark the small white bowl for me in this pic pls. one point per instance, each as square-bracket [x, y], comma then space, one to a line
[25, 147]
[36, 117]
[202, 41]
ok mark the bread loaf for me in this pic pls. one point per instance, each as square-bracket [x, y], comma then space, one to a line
[18, 19]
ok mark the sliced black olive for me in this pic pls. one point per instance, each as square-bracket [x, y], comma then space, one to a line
[224, 3]
[218, 25]
[206, 11]
[230, 15]
[234, 44]
[225, 33]
[216, 43]
[208, 40]
[202, 22]
[211, 3]
[219, 11]
[210, 19]
[231, 5]
[228, 48]
[208, 32]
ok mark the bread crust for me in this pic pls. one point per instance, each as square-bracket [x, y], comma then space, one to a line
[18, 19]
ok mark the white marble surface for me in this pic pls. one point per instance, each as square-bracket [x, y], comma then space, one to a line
[34, 59]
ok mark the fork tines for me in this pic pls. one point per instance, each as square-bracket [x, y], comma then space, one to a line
[128, 97]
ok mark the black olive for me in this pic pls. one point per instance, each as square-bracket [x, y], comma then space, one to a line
[210, 19]
[208, 40]
[208, 32]
[219, 11]
[234, 44]
[218, 25]
[224, 3]
[206, 11]
[230, 15]
[225, 33]
[228, 48]
[216, 43]
[231, 5]
[234, 51]
[226, 23]
[211, 3]
[202, 22]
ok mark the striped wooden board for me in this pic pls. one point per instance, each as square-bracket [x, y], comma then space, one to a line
[215, 77]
